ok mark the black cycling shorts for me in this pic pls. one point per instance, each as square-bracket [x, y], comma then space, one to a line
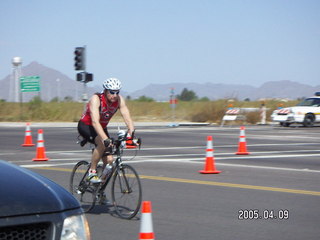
[88, 132]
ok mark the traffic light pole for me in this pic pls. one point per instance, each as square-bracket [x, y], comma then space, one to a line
[85, 93]
[80, 64]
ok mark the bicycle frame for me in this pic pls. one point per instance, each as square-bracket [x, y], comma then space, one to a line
[118, 148]
[116, 164]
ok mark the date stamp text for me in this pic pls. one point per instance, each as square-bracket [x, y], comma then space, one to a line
[266, 214]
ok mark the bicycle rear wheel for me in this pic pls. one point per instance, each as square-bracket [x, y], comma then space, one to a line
[81, 188]
[126, 191]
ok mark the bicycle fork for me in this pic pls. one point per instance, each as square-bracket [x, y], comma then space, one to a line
[124, 185]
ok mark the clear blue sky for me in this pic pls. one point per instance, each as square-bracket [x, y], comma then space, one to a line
[162, 41]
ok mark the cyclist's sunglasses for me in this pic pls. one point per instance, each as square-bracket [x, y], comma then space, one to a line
[113, 92]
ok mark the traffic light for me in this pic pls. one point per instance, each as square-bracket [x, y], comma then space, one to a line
[89, 77]
[79, 59]
[80, 77]
[84, 77]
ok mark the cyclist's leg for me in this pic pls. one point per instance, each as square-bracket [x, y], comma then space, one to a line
[98, 153]
[88, 133]
[108, 159]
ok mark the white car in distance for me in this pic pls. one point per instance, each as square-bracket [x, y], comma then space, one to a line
[306, 112]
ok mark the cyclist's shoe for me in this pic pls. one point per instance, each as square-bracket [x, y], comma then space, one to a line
[93, 177]
[103, 200]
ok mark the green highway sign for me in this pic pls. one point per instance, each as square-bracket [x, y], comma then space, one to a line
[30, 84]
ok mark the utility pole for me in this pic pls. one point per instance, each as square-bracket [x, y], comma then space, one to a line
[16, 62]
[58, 89]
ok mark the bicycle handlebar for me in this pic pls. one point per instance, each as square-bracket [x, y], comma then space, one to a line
[116, 144]
[133, 141]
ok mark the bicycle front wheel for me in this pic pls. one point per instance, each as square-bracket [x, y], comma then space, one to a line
[126, 191]
[81, 188]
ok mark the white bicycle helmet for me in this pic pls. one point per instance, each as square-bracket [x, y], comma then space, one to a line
[112, 84]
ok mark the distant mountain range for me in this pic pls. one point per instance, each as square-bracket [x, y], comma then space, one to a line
[276, 89]
[56, 84]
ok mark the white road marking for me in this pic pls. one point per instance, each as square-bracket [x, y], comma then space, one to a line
[194, 158]
[184, 158]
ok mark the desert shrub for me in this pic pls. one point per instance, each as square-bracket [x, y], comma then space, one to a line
[197, 111]
[253, 117]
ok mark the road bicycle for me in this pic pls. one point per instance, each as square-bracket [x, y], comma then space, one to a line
[126, 192]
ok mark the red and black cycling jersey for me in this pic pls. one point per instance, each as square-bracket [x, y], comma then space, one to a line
[106, 109]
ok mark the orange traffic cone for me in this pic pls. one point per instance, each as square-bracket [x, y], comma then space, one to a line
[146, 226]
[28, 137]
[209, 165]
[242, 148]
[41, 152]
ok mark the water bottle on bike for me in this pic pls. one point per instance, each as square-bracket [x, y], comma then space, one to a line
[106, 172]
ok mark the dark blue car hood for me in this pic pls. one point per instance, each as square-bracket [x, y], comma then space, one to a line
[24, 192]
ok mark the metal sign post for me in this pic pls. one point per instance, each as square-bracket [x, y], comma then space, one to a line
[173, 103]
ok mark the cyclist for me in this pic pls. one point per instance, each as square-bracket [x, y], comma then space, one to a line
[93, 124]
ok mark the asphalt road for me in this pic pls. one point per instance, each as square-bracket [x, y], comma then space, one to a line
[279, 177]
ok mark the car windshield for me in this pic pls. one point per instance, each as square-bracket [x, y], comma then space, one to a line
[310, 102]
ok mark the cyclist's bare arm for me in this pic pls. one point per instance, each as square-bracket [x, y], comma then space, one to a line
[94, 105]
[126, 115]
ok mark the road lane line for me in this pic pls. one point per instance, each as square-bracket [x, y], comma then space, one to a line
[252, 155]
[226, 146]
[201, 160]
[268, 168]
[187, 161]
[187, 156]
[196, 159]
[212, 183]
[232, 185]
